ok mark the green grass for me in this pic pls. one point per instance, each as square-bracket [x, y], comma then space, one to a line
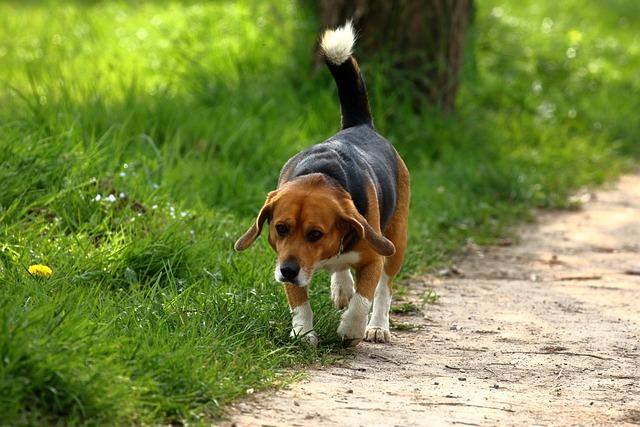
[405, 308]
[182, 113]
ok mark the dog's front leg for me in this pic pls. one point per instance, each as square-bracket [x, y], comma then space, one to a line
[301, 314]
[341, 288]
[354, 319]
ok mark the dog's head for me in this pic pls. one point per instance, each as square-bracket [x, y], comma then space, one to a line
[309, 218]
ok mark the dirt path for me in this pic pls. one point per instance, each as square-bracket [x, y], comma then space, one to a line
[546, 332]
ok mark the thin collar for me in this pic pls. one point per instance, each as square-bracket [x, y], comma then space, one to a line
[341, 250]
[347, 242]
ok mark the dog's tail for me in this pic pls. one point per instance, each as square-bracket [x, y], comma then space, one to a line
[336, 46]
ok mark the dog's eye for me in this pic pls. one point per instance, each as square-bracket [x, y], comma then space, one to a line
[314, 235]
[282, 230]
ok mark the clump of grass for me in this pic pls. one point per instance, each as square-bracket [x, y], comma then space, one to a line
[405, 308]
[403, 326]
[137, 141]
[430, 296]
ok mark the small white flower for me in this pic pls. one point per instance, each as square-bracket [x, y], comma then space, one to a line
[122, 195]
[98, 197]
[111, 198]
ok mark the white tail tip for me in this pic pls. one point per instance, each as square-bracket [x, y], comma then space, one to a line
[337, 44]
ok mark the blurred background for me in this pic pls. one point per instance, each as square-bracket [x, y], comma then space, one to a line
[138, 139]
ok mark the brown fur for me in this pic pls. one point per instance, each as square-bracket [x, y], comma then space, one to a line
[296, 295]
[397, 229]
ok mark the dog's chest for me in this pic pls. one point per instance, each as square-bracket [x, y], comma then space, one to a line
[340, 262]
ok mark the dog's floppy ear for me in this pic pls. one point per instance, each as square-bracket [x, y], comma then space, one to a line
[253, 232]
[378, 242]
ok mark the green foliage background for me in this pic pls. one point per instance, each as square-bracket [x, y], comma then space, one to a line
[138, 139]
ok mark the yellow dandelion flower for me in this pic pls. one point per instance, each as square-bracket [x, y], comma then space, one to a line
[39, 270]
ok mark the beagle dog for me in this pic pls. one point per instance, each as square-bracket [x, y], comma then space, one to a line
[341, 204]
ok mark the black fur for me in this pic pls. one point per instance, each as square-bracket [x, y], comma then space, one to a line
[353, 157]
[354, 103]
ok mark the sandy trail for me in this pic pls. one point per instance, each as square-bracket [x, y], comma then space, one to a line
[544, 332]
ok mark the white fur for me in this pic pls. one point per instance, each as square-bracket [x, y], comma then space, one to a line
[378, 328]
[341, 288]
[340, 262]
[302, 324]
[354, 319]
[337, 44]
[277, 274]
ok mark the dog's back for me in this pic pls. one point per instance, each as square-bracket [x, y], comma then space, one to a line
[357, 154]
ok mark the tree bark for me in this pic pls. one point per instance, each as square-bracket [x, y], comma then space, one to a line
[423, 38]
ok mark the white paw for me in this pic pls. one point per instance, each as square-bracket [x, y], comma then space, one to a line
[352, 331]
[375, 334]
[354, 320]
[341, 297]
[310, 337]
[341, 288]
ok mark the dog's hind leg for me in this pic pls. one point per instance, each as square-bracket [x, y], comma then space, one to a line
[301, 314]
[341, 288]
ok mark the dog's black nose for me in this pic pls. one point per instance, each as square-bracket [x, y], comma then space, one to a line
[289, 269]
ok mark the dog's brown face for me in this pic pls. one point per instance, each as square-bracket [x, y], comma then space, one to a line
[308, 220]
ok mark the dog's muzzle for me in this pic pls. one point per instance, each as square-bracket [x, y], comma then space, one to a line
[289, 272]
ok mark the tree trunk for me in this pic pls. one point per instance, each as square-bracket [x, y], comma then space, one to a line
[423, 38]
